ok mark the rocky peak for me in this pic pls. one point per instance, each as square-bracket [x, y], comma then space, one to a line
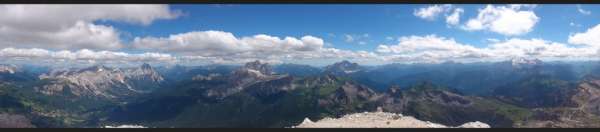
[102, 81]
[96, 68]
[343, 67]
[263, 68]
[521, 61]
[394, 89]
[146, 66]
[145, 73]
[8, 69]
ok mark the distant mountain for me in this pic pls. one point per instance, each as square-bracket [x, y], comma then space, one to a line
[10, 69]
[536, 91]
[101, 81]
[297, 70]
[426, 101]
[343, 68]
[513, 93]
[248, 97]
[144, 78]
[267, 101]
[579, 110]
[185, 73]
[524, 62]
[14, 73]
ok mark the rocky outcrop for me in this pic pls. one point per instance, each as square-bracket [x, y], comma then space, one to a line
[251, 73]
[380, 120]
[587, 96]
[14, 121]
[101, 81]
[524, 62]
[10, 69]
[263, 68]
[342, 68]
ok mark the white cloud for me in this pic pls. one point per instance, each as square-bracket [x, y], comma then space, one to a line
[366, 35]
[493, 40]
[454, 18]
[71, 26]
[34, 54]
[536, 48]
[362, 42]
[349, 38]
[360, 39]
[413, 44]
[226, 47]
[432, 48]
[54, 17]
[389, 38]
[431, 12]
[80, 36]
[574, 24]
[589, 38]
[427, 48]
[219, 43]
[582, 11]
[507, 20]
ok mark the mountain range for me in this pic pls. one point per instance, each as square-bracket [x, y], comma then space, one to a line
[515, 93]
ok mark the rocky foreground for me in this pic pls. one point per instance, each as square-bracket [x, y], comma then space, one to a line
[380, 120]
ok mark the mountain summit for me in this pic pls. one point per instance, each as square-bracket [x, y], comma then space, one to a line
[263, 68]
[342, 68]
[8, 69]
[521, 62]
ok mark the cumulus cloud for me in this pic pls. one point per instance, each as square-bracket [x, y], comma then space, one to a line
[80, 36]
[506, 20]
[431, 12]
[360, 39]
[219, 43]
[589, 38]
[582, 11]
[33, 54]
[349, 38]
[225, 46]
[432, 48]
[538, 48]
[389, 38]
[72, 26]
[454, 18]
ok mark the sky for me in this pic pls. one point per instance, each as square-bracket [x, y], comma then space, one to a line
[370, 34]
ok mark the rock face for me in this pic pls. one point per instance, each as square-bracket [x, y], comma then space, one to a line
[380, 120]
[144, 78]
[252, 73]
[342, 68]
[587, 96]
[582, 109]
[11, 69]
[263, 68]
[14, 121]
[101, 81]
[524, 62]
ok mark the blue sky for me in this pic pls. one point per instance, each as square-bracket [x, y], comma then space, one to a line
[368, 33]
[332, 22]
